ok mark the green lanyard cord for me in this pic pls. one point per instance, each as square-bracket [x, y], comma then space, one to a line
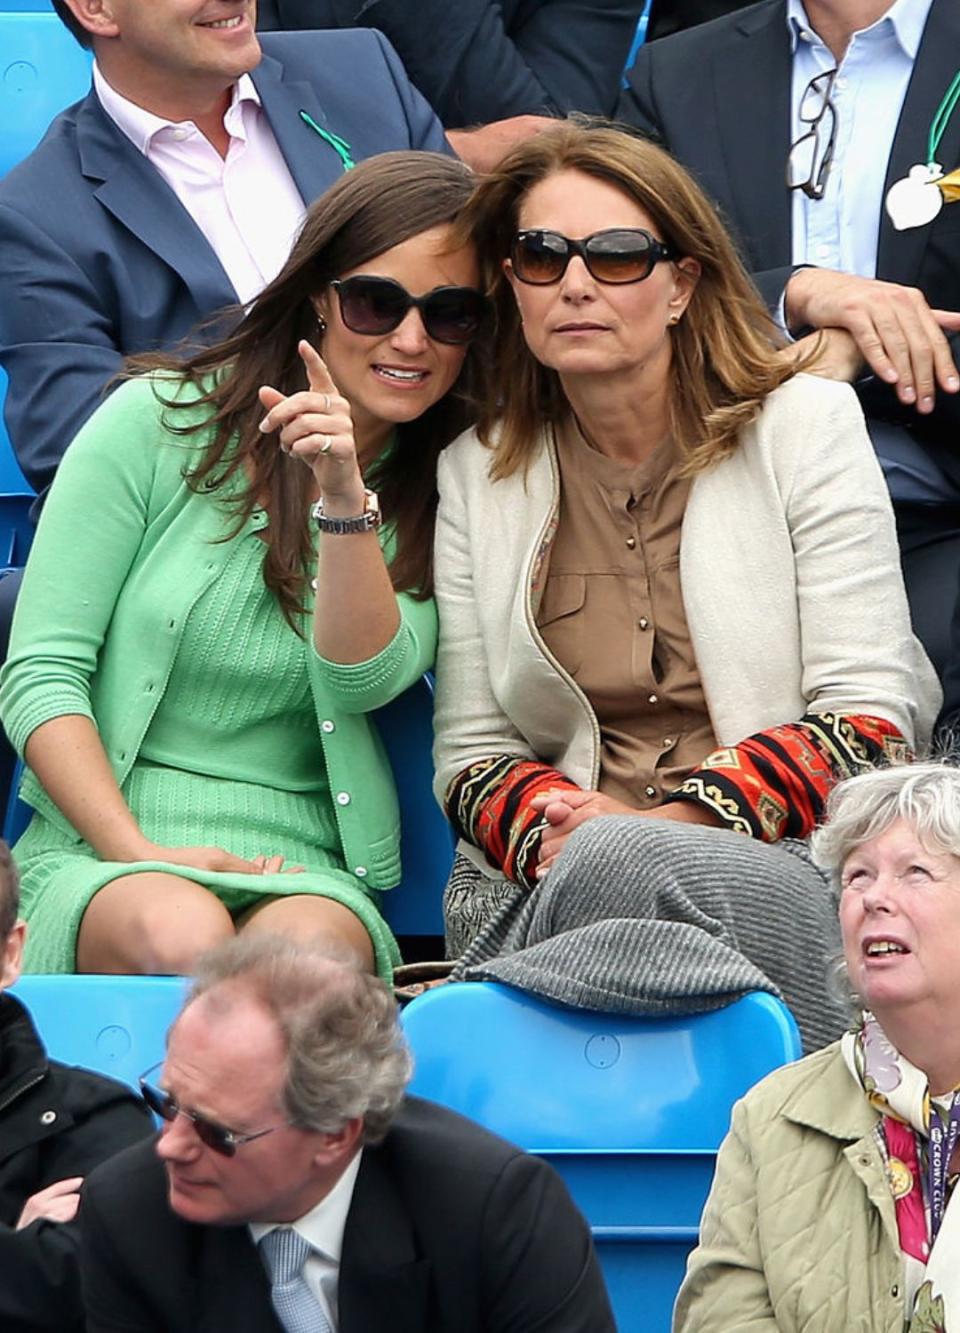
[939, 123]
[342, 148]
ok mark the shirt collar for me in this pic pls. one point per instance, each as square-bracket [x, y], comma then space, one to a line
[907, 18]
[140, 126]
[323, 1226]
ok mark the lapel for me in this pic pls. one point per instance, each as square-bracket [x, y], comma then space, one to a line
[831, 1105]
[232, 1290]
[139, 198]
[313, 163]
[383, 1282]
[751, 78]
[900, 253]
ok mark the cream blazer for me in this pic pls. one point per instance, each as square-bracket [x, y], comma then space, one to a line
[789, 572]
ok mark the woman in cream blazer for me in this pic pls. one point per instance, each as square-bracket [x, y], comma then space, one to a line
[730, 559]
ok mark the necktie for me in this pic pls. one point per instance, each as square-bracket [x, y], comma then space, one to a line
[284, 1253]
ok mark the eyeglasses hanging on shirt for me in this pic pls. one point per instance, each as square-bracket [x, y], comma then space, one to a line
[810, 156]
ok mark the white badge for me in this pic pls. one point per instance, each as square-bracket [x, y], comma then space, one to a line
[915, 200]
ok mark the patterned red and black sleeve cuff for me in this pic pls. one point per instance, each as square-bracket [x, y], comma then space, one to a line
[775, 783]
[489, 805]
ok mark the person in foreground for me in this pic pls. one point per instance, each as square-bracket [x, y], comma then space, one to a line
[833, 1202]
[56, 1124]
[681, 704]
[207, 623]
[292, 1170]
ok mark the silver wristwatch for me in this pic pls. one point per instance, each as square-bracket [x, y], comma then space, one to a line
[366, 522]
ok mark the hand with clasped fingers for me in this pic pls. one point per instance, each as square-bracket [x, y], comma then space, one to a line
[565, 811]
[316, 426]
[898, 334]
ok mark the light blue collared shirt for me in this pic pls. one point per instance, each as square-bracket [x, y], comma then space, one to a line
[841, 231]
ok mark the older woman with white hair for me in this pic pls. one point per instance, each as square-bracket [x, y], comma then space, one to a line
[832, 1202]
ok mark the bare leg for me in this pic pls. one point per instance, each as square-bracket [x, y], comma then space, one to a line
[305, 915]
[150, 923]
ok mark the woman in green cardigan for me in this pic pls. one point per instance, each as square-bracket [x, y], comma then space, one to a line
[206, 623]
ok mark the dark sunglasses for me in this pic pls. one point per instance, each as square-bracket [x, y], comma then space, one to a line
[620, 254]
[166, 1106]
[375, 306]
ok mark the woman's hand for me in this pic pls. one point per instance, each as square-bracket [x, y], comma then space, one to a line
[57, 1203]
[316, 426]
[567, 810]
[216, 860]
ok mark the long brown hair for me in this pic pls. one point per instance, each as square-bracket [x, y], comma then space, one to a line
[724, 348]
[380, 203]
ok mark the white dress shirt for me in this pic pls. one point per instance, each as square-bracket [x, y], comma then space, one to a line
[246, 204]
[322, 1228]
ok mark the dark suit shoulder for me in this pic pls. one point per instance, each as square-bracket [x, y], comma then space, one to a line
[425, 1129]
[302, 52]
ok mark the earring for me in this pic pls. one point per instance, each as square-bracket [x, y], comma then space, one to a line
[321, 325]
[674, 319]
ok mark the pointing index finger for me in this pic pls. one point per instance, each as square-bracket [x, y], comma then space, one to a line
[318, 377]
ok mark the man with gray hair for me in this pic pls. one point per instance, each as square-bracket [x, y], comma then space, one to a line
[293, 1185]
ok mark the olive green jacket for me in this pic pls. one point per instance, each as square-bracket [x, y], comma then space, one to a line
[123, 551]
[799, 1233]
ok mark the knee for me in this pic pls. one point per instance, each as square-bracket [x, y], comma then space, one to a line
[170, 937]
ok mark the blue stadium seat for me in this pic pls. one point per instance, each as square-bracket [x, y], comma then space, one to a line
[114, 1025]
[42, 70]
[630, 1111]
[415, 906]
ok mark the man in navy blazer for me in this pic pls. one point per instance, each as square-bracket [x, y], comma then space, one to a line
[719, 97]
[292, 1174]
[100, 259]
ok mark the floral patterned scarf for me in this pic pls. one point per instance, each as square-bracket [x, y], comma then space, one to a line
[899, 1092]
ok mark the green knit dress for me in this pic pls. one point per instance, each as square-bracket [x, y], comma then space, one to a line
[231, 759]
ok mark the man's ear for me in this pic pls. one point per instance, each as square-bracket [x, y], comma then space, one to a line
[337, 1148]
[96, 16]
[11, 958]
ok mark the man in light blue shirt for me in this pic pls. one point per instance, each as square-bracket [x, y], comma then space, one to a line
[797, 118]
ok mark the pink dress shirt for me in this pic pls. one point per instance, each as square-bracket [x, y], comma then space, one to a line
[246, 204]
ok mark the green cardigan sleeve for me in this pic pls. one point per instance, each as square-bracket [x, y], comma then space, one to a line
[88, 537]
[359, 687]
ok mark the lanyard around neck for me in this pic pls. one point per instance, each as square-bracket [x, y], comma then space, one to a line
[941, 119]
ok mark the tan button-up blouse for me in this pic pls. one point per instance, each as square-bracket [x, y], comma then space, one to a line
[612, 615]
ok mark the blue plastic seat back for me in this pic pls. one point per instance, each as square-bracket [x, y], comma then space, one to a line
[630, 1111]
[42, 70]
[114, 1025]
[550, 1077]
[415, 906]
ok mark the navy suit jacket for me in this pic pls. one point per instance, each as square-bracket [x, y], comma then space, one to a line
[481, 60]
[450, 1230]
[100, 260]
[718, 97]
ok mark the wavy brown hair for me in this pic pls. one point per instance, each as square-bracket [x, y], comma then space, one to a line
[375, 206]
[724, 348]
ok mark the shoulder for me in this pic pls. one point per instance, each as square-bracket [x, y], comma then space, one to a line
[85, 1093]
[702, 41]
[805, 424]
[439, 1139]
[468, 459]
[54, 156]
[298, 50]
[804, 396]
[133, 1182]
[817, 1088]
